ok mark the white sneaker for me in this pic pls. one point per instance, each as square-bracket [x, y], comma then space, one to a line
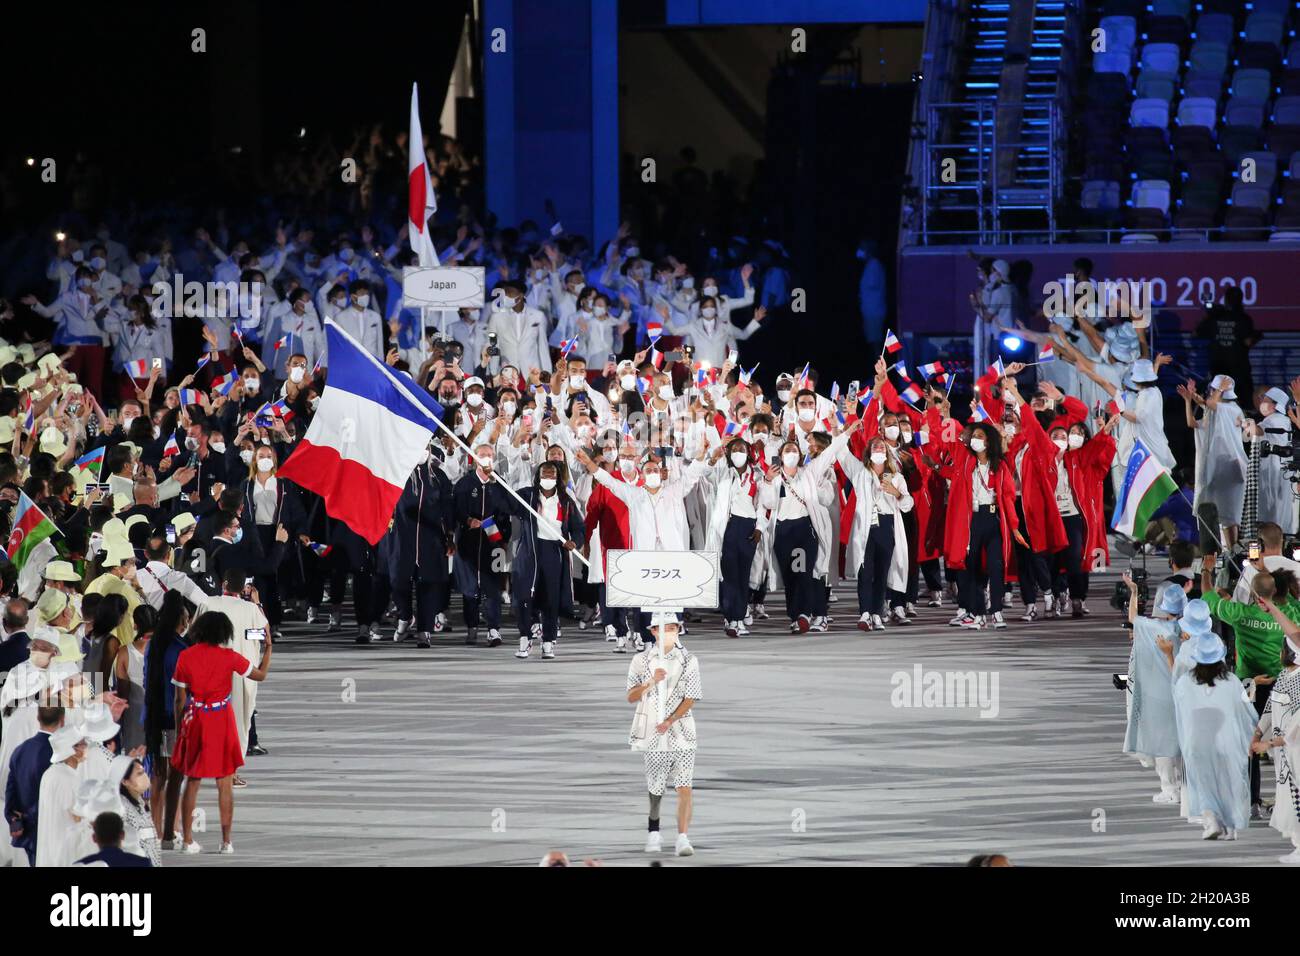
[730, 628]
[974, 622]
[523, 648]
[1291, 859]
[621, 646]
[494, 637]
[1056, 606]
[375, 633]
[749, 616]
[876, 623]
[654, 842]
[227, 849]
[403, 627]
[1212, 830]
[684, 847]
[638, 644]
[760, 612]
[741, 628]
[910, 610]
[311, 615]
[960, 619]
[864, 623]
[548, 650]
[997, 620]
[1166, 796]
[899, 615]
[936, 599]
[611, 632]
[440, 623]
[191, 848]
[1031, 613]
[833, 598]
[818, 624]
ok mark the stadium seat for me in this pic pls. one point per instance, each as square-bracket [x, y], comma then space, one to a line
[1264, 27]
[1152, 112]
[1172, 8]
[1265, 168]
[1106, 88]
[1285, 236]
[1203, 169]
[1245, 225]
[1215, 27]
[1265, 56]
[1155, 86]
[1286, 111]
[1121, 62]
[1208, 56]
[1100, 202]
[1251, 85]
[1251, 196]
[1125, 8]
[1194, 133]
[1283, 141]
[1149, 205]
[1279, 8]
[1207, 85]
[1132, 238]
[1244, 113]
[1120, 33]
[1166, 29]
[1153, 164]
[1236, 141]
[1160, 58]
[1289, 85]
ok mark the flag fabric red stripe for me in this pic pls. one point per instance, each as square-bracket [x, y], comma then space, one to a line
[368, 501]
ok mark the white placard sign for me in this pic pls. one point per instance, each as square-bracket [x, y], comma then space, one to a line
[661, 579]
[445, 287]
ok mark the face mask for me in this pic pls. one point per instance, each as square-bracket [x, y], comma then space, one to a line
[192, 443]
[708, 312]
[474, 399]
[246, 456]
[508, 301]
[538, 275]
[41, 659]
[346, 254]
[265, 464]
[666, 392]
[783, 395]
[598, 310]
[1009, 431]
[1076, 440]
[905, 437]
[239, 533]
[577, 381]
[547, 484]
[610, 455]
[219, 447]
[977, 445]
[790, 459]
[508, 408]
[313, 403]
[633, 252]
[627, 382]
[485, 462]
[710, 290]
[807, 414]
[877, 457]
[759, 437]
[96, 543]
[83, 283]
[297, 374]
[363, 301]
[688, 282]
[653, 480]
[252, 384]
[738, 458]
[891, 432]
[126, 422]
[627, 466]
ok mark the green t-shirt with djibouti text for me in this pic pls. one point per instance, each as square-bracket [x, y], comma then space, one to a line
[1259, 637]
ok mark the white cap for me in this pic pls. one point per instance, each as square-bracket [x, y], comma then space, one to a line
[1278, 397]
[471, 381]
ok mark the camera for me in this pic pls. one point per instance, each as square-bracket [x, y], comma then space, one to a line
[492, 348]
[1141, 581]
[1120, 681]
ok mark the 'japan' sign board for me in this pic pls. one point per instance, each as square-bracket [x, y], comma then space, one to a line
[449, 287]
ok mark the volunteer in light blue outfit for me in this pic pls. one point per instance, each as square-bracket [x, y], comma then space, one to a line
[1215, 726]
[1152, 733]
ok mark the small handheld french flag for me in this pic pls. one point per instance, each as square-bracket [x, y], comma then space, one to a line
[998, 368]
[835, 391]
[280, 343]
[911, 394]
[732, 429]
[1046, 354]
[320, 550]
[204, 359]
[865, 397]
[567, 346]
[892, 344]
[932, 369]
[171, 448]
[189, 396]
[803, 376]
[138, 368]
[281, 410]
[224, 384]
[489, 528]
[900, 369]
[654, 328]
[978, 414]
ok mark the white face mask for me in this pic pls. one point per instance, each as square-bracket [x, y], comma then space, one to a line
[474, 399]
[363, 301]
[710, 290]
[598, 310]
[484, 462]
[738, 458]
[652, 480]
[891, 432]
[547, 484]
[1060, 443]
[627, 466]
[508, 409]
[783, 394]
[508, 301]
[790, 459]
[666, 392]
[126, 422]
[219, 447]
[1076, 440]
[627, 382]
[708, 312]
[905, 437]
[577, 381]
[192, 443]
[610, 455]
[688, 282]
[297, 374]
[807, 414]
[252, 384]
[246, 456]
[265, 464]
[313, 403]
[977, 445]
[1009, 431]
[877, 457]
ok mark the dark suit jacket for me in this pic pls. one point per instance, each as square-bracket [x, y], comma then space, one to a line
[27, 765]
[114, 856]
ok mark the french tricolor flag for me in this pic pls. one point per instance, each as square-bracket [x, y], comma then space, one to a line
[911, 394]
[320, 550]
[138, 368]
[978, 414]
[654, 328]
[899, 368]
[369, 433]
[189, 396]
[1046, 354]
[171, 448]
[932, 370]
[280, 343]
[865, 397]
[892, 344]
[489, 528]
[567, 346]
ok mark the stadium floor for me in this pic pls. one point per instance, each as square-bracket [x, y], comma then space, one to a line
[393, 755]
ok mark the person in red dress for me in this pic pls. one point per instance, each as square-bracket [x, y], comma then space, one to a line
[207, 742]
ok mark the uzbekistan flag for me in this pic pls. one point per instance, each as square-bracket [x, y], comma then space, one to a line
[1147, 485]
[138, 368]
[31, 527]
[93, 461]
[489, 528]
[892, 344]
[189, 396]
[172, 447]
[932, 369]
[421, 202]
[369, 433]
[1046, 354]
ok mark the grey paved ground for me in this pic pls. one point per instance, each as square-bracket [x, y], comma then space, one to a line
[461, 755]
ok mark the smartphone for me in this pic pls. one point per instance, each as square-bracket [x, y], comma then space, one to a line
[104, 486]
[1253, 551]
[732, 357]
[171, 534]
[254, 633]
[157, 363]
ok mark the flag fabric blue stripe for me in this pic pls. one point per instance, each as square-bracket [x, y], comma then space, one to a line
[352, 369]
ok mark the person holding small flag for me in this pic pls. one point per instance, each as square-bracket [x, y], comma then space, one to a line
[137, 340]
[482, 521]
[740, 491]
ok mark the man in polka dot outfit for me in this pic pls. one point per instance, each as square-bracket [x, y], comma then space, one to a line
[669, 746]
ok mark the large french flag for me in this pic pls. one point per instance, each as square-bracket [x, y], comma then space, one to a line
[369, 433]
[421, 202]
